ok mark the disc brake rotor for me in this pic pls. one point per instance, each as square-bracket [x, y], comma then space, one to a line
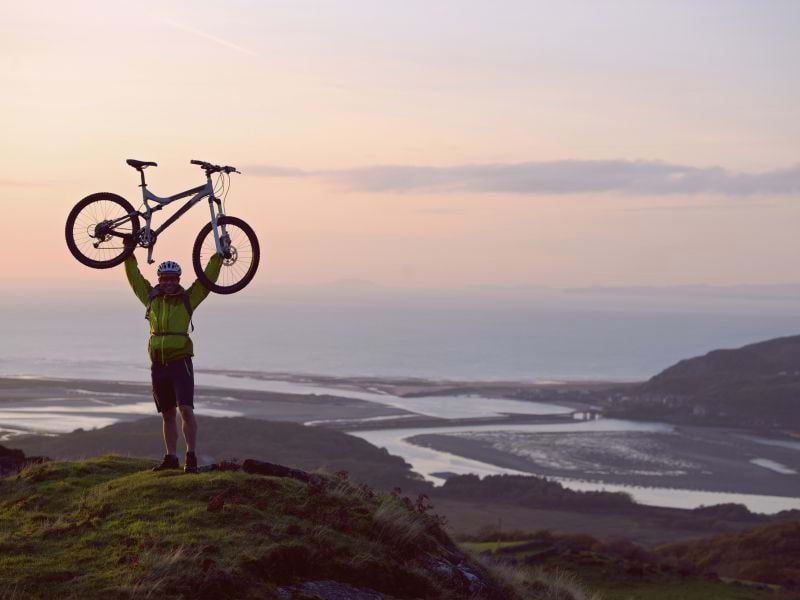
[231, 258]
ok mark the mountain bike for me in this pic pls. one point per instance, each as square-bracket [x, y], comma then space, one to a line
[103, 229]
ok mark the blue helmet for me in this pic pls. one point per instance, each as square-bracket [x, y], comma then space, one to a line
[169, 266]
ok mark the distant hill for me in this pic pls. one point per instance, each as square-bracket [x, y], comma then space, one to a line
[757, 385]
[291, 444]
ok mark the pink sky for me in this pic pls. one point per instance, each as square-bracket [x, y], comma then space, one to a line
[329, 89]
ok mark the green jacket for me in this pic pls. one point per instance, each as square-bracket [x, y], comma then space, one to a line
[168, 313]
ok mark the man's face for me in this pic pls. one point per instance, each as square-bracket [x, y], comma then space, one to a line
[169, 283]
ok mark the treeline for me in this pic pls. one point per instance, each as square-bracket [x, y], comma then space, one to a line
[532, 491]
[538, 492]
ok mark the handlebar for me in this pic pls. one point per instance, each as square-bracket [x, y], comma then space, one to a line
[209, 168]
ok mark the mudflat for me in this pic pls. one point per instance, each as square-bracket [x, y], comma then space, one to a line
[30, 405]
[695, 458]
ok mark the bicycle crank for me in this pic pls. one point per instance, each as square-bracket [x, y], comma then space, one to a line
[146, 238]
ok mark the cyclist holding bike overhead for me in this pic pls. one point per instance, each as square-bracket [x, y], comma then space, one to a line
[169, 311]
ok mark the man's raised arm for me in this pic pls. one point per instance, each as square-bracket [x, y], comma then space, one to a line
[197, 291]
[141, 287]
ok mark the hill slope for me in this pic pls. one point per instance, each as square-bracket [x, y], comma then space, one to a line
[768, 553]
[108, 527]
[755, 385]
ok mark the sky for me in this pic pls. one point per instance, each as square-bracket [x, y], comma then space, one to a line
[417, 144]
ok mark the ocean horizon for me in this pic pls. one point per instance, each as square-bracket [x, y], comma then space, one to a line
[467, 343]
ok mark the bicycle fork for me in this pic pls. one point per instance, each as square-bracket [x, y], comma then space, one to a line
[222, 242]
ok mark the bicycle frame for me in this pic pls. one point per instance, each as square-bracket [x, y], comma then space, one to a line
[199, 192]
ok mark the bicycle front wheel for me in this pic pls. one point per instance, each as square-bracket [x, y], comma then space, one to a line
[240, 263]
[94, 227]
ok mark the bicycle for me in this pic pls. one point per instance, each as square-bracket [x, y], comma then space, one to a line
[102, 230]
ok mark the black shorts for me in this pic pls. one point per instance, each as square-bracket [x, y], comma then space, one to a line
[173, 383]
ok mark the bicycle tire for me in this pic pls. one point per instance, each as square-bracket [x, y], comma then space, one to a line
[69, 230]
[197, 250]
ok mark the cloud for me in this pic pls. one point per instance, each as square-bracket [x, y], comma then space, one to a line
[555, 177]
[270, 171]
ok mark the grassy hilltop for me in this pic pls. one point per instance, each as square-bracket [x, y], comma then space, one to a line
[108, 527]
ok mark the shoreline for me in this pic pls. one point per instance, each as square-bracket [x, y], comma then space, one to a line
[45, 406]
[410, 386]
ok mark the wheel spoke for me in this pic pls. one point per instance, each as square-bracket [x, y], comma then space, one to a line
[84, 225]
[239, 267]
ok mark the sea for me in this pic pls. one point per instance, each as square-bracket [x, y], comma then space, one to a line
[88, 337]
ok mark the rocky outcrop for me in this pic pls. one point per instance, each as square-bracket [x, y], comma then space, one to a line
[327, 590]
[13, 461]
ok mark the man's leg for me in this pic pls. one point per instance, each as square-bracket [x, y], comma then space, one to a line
[164, 397]
[189, 427]
[170, 427]
[183, 382]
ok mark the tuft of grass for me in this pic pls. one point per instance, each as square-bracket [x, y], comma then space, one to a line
[398, 526]
[12, 591]
[535, 583]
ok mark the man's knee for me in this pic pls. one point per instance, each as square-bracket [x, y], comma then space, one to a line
[187, 412]
[169, 414]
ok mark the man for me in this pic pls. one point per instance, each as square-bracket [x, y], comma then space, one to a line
[169, 310]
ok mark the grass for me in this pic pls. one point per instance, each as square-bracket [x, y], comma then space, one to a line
[109, 527]
[545, 585]
[491, 546]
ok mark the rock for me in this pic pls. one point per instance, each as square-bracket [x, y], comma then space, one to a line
[328, 590]
[216, 503]
[259, 467]
[12, 461]
[11, 453]
[463, 578]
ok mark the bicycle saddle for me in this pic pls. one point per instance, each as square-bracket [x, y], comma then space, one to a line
[140, 164]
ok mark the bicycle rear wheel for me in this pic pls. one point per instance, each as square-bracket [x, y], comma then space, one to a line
[91, 228]
[239, 266]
